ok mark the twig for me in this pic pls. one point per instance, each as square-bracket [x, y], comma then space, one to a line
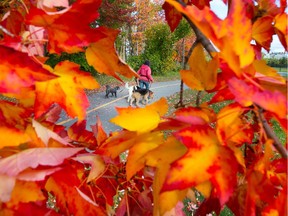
[6, 31]
[270, 134]
[198, 98]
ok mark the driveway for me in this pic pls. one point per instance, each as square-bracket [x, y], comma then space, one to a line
[105, 107]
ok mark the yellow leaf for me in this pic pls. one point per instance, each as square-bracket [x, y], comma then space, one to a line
[160, 106]
[157, 157]
[165, 201]
[202, 74]
[12, 136]
[137, 153]
[262, 68]
[143, 120]
[205, 188]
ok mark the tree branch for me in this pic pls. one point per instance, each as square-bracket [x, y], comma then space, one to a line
[270, 134]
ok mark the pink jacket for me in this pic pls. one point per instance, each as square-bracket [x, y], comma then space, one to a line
[145, 73]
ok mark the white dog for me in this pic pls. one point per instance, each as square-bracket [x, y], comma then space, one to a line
[131, 89]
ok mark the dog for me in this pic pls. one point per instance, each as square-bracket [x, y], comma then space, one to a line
[141, 94]
[131, 89]
[112, 91]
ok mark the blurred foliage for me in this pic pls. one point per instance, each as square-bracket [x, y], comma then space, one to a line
[281, 62]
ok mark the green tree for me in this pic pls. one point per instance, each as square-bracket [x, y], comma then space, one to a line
[159, 46]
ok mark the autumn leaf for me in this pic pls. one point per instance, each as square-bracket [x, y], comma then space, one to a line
[78, 134]
[112, 147]
[25, 192]
[214, 163]
[202, 75]
[246, 95]
[280, 25]
[67, 90]
[261, 181]
[45, 134]
[99, 132]
[104, 58]
[172, 16]
[66, 32]
[262, 31]
[7, 184]
[263, 69]
[36, 175]
[13, 22]
[21, 69]
[69, 200]
[13, 136]
[144, 119]
[137, 153]
[157, 157]
[17, 163]
[231, 127]
[96, 163]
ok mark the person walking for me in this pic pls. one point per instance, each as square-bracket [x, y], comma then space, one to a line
[145, 74]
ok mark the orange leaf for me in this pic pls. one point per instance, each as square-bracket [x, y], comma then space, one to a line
[144, 119]
[25, 192]
[117, 143]
[280, 24]
[13, 136]
[20, 69]
[66, 32]
[67, 90]
[99, 132]
[231, 127]
[205, 160]
[202, 74]
[104, 58]
[262, 31]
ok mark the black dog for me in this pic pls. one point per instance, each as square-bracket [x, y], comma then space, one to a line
[112, 91]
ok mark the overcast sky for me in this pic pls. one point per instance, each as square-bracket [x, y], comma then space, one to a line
[220, 10]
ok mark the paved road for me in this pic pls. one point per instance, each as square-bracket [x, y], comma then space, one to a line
[105, 107]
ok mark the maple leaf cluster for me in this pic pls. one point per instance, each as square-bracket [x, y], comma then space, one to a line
[231, 158]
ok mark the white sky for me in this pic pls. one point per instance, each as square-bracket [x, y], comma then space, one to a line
[220, 9]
